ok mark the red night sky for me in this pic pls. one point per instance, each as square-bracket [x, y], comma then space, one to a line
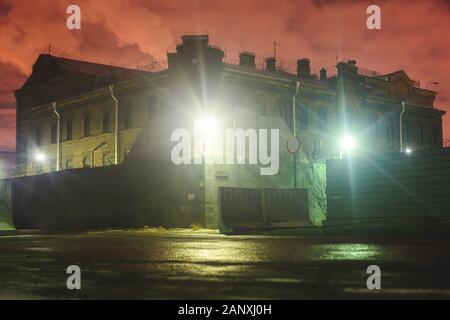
[415, 36]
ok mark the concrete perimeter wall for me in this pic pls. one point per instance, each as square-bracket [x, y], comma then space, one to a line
[130, 195]
[400, 185]
[5, 206]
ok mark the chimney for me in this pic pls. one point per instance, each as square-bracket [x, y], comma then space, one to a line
[193, 42]
[194, 51]
[347, 67]
[323, 74]
[247, 59]
[270, 64]
[303, 69]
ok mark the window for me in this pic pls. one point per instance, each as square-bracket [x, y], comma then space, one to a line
[373, 123]
[87, 126]
[39, 137]
[69, 130]
[435, 136]
[127, 119]
[405, 132]
[303, 118]
[53, 133]
[151, 108]
[323, 120]
[419, 134]
[390, 128]
[106, 122]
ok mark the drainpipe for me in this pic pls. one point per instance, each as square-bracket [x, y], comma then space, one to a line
[116, 126]
[294, 118]
[297, 85]
[58, 147]
[401, 126]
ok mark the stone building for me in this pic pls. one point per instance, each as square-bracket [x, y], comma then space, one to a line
[109, 114]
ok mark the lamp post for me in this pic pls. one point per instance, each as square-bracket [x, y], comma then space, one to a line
[294, 144]
[401, 126]
[116, 125]
[58, 139]
[206, 127]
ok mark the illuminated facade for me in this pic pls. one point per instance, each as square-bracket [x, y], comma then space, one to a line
[239, 95]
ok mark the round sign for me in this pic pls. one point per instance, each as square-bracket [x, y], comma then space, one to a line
[293, 144]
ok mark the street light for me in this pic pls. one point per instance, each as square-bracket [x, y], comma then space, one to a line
[39, 157]
[206, 126]
[347, 143]
[206, 129]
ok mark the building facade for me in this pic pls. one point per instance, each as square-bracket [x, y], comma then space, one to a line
[107, 115]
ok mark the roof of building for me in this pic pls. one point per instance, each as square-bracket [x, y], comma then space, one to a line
[97, 69]
[84, 68]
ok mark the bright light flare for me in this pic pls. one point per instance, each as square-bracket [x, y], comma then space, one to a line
[347, 143]
[206, 126]
[39, 156]
[408, 150]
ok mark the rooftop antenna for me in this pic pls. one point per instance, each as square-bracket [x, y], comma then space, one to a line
[50, 48]
[275, 44]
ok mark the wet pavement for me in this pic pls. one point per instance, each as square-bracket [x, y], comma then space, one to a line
[188, 264]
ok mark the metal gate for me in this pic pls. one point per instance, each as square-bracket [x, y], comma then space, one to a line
[270, 207]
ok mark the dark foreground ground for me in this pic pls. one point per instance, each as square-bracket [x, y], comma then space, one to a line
[186, 264]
